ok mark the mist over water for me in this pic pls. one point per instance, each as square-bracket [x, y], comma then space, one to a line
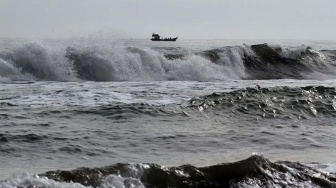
[136, 113]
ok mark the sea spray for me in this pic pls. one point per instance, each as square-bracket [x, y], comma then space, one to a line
[122, 62]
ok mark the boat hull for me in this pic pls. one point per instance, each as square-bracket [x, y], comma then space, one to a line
[172, 39]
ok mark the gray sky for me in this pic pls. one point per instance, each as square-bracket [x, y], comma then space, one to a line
[187, 19]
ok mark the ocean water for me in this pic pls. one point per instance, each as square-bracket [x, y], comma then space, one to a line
[93, 112]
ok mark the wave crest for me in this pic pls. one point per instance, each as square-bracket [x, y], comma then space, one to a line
[255, 171]
[117, 62]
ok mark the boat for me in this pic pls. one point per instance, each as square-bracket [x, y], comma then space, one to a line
[156, 37]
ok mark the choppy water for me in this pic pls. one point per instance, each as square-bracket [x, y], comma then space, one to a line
[135, 113]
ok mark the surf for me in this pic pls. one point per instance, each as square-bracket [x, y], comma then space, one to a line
[125, 62]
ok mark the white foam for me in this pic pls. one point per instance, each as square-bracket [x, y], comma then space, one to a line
[116, 181]
[232, 59]
[291, 52]
[28, 180]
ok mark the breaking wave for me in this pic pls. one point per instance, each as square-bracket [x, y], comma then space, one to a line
[255, 171]
[37, 61]
[34, 61]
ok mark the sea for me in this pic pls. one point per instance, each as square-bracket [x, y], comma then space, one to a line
[128, 113]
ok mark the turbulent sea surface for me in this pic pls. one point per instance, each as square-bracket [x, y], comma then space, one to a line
[91, 112]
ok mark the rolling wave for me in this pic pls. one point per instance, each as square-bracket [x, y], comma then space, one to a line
[263, 61]
[255, 171]
[36, 61]
[270, 103]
